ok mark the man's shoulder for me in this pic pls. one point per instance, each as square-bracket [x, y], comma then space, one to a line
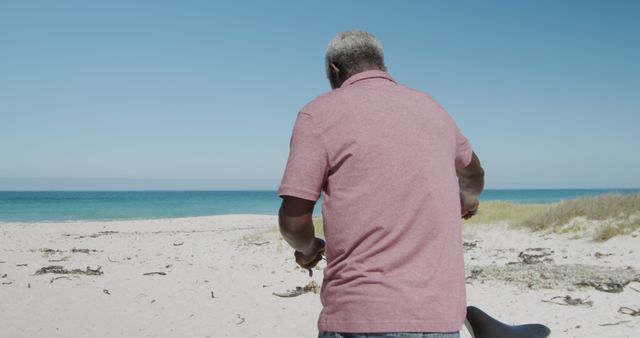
[325, 101]
[344, 97]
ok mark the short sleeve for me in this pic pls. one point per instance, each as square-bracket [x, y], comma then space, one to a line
[307, 165]
[463, 150]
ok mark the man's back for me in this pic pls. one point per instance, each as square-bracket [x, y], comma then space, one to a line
[387, 157]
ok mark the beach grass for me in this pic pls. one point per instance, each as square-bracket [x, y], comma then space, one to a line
[611, 214]
[501, 211]
[317, 223]
[621, 228]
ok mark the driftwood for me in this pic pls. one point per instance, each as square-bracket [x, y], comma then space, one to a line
[629, 311]
[154, 273]
[311, 287]
[616, 323]
[611, 286]
[56, 278]
[259, 243]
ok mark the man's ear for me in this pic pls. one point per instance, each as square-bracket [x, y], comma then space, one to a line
[334, 76]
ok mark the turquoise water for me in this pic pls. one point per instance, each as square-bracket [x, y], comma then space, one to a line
[118, 205]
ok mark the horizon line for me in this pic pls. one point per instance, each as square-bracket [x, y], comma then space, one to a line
[17, 184]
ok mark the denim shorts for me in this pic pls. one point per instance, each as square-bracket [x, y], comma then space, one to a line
[324, 334]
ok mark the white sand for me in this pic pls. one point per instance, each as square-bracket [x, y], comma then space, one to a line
[242, 260]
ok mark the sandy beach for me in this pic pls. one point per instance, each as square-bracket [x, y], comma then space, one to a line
[225, 276]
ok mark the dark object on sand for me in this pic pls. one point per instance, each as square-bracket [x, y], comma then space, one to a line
[611, 287]
[155, 273]
[629, 311]
[61, 269]
[481, 325]
[568, 300]
[299, 290]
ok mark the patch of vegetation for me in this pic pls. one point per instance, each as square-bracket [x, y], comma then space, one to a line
[612, 230]
[599, 208]
[317, 223]
[615, 214]
[499, 211]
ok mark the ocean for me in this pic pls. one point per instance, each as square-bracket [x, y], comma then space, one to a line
[125, 205]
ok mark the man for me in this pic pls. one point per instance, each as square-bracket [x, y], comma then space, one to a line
[396, 176]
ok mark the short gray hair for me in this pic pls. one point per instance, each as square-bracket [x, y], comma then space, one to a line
[354, 52]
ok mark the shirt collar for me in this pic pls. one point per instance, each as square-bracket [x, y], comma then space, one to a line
[367, 74]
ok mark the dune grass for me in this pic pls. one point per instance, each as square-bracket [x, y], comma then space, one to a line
[600, 208]
[621, 228]
[619, 214]
[317, 223]
[500, 211]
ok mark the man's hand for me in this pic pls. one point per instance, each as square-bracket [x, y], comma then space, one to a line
[468, 204]
[310, 257]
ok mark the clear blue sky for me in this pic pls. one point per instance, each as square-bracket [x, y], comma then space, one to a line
[548, 92]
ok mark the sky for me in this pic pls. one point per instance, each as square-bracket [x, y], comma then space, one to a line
[547, 92]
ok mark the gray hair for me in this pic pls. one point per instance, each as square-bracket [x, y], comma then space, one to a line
[354, 52]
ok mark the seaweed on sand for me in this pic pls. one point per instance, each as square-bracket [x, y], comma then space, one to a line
[61, 270]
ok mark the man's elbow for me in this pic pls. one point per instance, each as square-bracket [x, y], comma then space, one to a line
[478, 179]
[289, 225]
[477, 175]
[284, 223]
[472, 181]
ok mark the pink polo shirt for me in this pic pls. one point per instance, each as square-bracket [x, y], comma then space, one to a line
[384, 157]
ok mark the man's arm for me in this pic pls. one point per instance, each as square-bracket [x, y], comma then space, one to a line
[296, 224]
[471, 177]
[471, 181]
